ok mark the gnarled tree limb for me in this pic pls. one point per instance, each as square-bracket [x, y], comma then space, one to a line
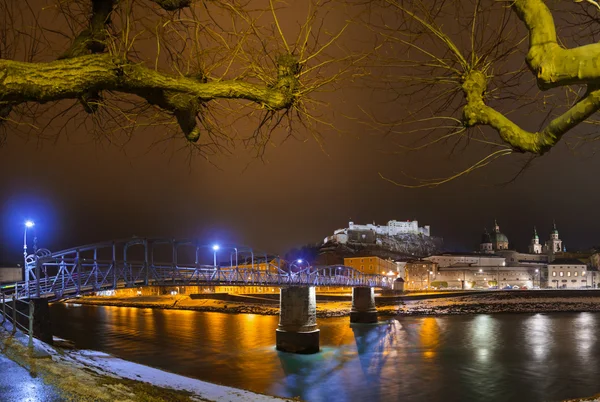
[73, 78]
[552, 64]
[477, 113]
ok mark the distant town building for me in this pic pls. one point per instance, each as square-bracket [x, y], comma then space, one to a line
[372, 265]
[367, 233]
[419, 274]
[497, 241]
[466, 260]
[569, 273]
[481, 271]
[398, 285]
[11, 273]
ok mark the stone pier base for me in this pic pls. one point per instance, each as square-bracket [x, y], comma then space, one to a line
[297, 342]
[363, 306]
[297, 331]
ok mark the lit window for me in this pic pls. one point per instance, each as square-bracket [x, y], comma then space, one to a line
[553, 273]
[576, 273]
[583, 273]
[569, 273]
[561, 273]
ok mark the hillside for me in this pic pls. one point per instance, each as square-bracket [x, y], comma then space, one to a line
[400, 248]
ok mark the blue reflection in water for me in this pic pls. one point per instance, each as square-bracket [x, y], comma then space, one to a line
[527, 357]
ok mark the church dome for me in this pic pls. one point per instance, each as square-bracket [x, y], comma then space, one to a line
[498, 237]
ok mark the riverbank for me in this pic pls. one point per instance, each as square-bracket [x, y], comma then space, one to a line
[252, 306]
[504, 302]
[408, 305]
[86, 375]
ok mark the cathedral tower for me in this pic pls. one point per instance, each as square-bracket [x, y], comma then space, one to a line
[554, 245]
[535, 247]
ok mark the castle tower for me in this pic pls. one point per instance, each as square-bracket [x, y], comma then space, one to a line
[554, 245]
[535, 247]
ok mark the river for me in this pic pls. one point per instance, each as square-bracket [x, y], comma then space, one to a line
[504, 357]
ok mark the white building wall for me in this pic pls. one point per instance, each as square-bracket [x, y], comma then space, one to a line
[448, 260]
[484, 277]
[11, 274]
[568, 276]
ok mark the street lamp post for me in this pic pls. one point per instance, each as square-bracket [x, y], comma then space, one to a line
[539, 275]
[28, 225]
[215, 249]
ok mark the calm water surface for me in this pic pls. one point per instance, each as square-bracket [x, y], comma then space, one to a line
[540, 357]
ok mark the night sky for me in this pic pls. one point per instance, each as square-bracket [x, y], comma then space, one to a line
[79, 190]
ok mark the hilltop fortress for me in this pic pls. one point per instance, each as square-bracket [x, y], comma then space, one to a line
[368, 233]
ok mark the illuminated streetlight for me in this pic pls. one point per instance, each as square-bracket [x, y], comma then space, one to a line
[215, 249]
[28, 224]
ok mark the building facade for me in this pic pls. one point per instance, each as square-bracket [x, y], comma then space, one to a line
[11, 274]
[372, 265]
[419, 274]
[567, 273]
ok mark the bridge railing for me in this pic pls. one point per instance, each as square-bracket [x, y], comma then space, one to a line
[19, 313]
[80, 270]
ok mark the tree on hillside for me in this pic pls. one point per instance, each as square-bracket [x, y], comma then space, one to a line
[488, 74]
[196, 66]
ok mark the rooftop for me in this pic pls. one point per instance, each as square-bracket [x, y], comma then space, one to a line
[566, 261]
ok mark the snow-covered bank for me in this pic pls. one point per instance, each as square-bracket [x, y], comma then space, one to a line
[515, 302]
[84, 375]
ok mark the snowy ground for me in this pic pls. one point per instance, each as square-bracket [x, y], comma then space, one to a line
[499, 303]
[85, 375]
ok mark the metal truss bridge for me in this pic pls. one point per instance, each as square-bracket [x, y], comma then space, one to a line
[172, 262]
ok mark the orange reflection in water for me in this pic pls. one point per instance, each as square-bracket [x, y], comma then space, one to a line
[429, 336]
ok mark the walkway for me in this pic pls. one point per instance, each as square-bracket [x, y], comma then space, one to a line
[17, 385]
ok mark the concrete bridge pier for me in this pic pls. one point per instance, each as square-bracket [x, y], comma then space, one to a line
[363, 306]
[297, 331]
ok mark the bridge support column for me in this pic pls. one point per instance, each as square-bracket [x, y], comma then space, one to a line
[363, 306]
[297, 331]
[42, 324]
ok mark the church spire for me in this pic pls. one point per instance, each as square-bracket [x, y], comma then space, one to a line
[535, 235]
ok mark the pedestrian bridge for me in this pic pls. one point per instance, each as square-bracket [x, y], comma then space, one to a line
[173, 262]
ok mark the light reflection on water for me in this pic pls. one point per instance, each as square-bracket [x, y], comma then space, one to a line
[527, 357]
